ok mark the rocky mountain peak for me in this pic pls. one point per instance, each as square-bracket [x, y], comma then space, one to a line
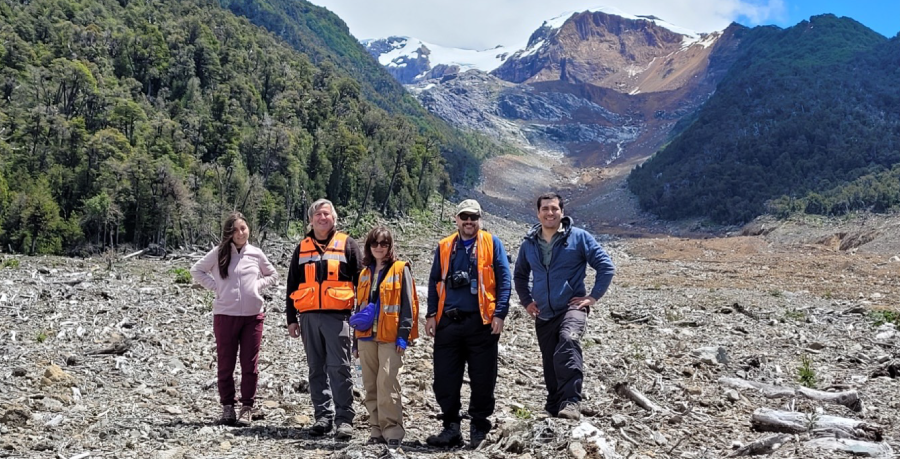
[405, 58]
[616, 51]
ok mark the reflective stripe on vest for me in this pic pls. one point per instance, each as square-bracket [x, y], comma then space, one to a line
[390, 294]
[330, 293]
[487, 285]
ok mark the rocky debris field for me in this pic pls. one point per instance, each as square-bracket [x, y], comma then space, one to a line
[703, 348]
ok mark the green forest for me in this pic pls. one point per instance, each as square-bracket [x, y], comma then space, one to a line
[139, 122]
[324, 37]
[807, 120]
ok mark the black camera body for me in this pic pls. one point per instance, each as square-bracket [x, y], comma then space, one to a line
[458, 279]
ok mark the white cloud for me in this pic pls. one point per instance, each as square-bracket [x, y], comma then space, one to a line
[481, 24]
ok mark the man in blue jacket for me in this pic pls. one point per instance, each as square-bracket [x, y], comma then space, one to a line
[556, 255]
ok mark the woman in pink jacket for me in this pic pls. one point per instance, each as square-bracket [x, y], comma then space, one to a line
[237, 272]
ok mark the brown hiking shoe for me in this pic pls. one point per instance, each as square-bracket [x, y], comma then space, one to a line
[320, 427]
[228, 417]
[344, 431]
[570, 411]
[245, 416]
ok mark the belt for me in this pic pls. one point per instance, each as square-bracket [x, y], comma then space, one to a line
[457, 315]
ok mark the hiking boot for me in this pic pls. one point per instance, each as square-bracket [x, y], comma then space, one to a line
[379, 440]
[344, 431]
[476, 436]
[320, 427]
[245, 416]
[393, 443]
[228, 417]
[570, 411]
[448, 438]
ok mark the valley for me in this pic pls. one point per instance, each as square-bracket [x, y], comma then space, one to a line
[110, 357]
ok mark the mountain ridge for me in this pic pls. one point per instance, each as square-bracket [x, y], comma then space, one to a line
[806, 109]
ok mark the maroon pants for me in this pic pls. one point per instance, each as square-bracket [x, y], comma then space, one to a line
[234, 334]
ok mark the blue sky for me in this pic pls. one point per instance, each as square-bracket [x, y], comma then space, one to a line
[483, 24]
[882, 16]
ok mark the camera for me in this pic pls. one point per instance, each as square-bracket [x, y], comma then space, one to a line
[458, 279]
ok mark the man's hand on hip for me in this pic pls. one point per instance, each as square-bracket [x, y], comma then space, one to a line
[582, 302]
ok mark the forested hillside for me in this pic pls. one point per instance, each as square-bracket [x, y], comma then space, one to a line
[324, 37]
[808, 119]
[143, 121]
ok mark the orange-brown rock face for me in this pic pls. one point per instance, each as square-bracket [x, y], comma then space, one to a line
[628, 55]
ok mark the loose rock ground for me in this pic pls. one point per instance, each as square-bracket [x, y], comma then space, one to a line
[105, 357]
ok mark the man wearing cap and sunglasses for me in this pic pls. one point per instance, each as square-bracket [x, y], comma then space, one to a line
[468, 299]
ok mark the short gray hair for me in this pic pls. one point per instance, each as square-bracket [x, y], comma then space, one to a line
[317, 205]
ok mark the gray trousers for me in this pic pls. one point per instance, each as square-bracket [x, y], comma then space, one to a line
[560, 341]
[326, 339]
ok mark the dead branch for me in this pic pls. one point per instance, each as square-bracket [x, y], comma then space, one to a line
[763, 446]
[134, 254]
[115, 349]
[766, 420]
[624, 391]
[854, 447]
[850, 398]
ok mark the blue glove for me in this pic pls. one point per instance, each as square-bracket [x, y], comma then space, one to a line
[364, 319]
[401, 343]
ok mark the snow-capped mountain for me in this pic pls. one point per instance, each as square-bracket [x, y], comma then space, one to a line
[601, 87]
[611, 49]
[411, 60]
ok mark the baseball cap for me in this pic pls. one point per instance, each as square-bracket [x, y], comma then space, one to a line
[469, 206]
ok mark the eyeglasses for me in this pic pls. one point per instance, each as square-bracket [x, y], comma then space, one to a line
[469, 217]
[382, 244]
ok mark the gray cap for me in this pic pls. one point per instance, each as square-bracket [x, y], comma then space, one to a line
[469, 206]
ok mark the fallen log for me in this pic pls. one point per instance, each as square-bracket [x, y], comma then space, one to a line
[134, 254]
[623, 390]
[854, 447]
[849, 398]
[763, 446]
[629, 318]
[115, 349]
[766, 420]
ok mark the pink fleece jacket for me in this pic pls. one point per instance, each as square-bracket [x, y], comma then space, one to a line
[240, 294]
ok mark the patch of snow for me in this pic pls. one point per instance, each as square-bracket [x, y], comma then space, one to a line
[467, 59]
[531, 50]
[558, 21]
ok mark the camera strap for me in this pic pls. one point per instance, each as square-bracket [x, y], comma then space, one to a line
[471, 254]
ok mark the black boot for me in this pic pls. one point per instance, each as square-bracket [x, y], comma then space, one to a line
[448, 438]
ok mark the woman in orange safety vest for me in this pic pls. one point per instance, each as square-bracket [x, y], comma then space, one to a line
[386, 322]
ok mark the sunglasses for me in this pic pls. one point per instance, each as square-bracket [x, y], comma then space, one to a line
[382, 244]
[469, 217]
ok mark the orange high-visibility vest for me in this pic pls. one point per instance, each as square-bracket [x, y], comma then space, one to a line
[329, 293]
[389, 293]
[487, 285]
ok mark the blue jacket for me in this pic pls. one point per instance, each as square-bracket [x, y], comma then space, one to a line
[552, 288]
[461, 298]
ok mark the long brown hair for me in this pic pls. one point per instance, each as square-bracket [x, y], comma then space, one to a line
[225, 244]
[379, 232]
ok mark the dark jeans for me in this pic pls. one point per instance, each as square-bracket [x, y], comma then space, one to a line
[238, 335]
[458, 342]
[560, 341]
[326, 340]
